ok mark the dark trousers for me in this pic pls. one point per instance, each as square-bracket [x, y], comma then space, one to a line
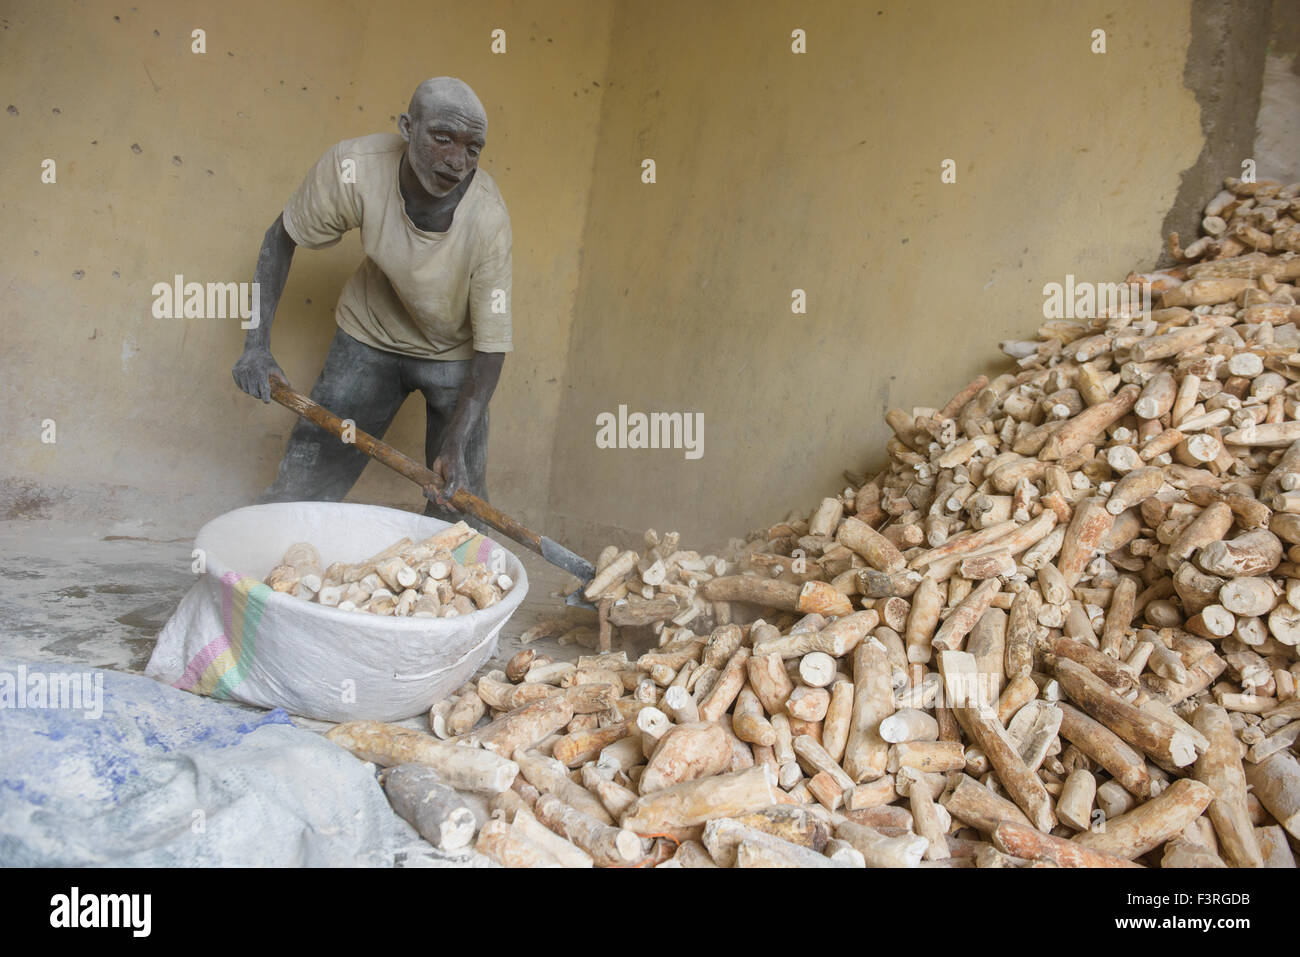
[368, 386]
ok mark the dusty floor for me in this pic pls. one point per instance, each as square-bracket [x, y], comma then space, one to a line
[97, 596]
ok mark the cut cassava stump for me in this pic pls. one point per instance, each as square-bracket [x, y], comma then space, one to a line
[1219, 768]
[1276, 783]
[607, 845]
[685, 753]
[880, 850]
[1152, 823]
[565, 852]
[389, 744]
[1025, 842]
[1161, 740]
[866, 753]
[505, 845]
[422, 798]
[694, 802]
[524, 727]
[973, 803]
[547, 774]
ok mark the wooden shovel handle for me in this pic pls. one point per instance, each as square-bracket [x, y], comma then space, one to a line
[385, 454]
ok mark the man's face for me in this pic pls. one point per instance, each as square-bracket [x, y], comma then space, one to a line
[443, 147]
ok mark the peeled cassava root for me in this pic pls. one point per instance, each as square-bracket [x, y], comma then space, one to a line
[407, 579]
[1063, 632]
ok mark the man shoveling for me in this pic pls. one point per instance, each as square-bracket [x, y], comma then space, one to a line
[427, 309]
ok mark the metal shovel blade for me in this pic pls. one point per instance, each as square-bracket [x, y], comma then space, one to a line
[574, 564]
[575, 598]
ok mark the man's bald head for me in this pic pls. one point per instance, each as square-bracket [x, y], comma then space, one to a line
[446, 93]
[445, 128]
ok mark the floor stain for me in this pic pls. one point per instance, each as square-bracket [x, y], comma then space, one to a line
[120, 589]
[19, 574]
[152, 617]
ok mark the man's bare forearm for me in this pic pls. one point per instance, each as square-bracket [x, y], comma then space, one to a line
[471, 406]
[272, 272]
[475, 393]
[256, 367]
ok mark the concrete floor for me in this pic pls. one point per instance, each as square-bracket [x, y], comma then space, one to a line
[97, 595]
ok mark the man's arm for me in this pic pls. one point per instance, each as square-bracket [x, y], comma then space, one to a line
[475, 393]
[255, 367]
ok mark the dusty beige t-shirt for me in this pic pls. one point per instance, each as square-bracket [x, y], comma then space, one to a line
[417, 293]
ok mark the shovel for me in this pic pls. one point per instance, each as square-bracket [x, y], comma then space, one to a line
[462, 501]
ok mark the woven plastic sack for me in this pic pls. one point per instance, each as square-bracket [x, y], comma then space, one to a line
[234, 637]
[136, 774]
